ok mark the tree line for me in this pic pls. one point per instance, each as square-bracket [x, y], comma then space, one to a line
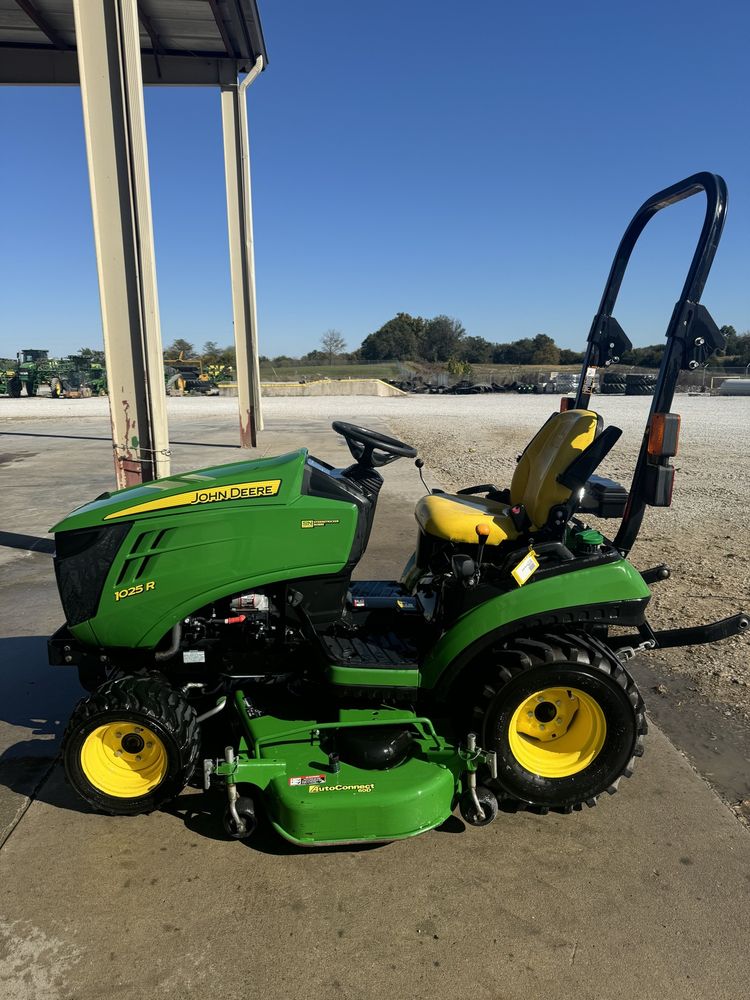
[439, 340]
[443, 339]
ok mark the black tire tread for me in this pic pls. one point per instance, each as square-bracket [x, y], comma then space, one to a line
[150, 697]
[549, 649]
[640, 384]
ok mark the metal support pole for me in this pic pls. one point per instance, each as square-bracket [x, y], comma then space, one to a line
[109, 62]
[241, 254]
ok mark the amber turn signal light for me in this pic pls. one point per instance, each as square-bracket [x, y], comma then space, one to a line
[663, 435]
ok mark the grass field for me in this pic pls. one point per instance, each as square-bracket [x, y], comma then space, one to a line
[294, 373]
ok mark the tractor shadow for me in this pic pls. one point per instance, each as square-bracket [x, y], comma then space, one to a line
[35, 703]
[92, 437]
[31, 543]
[35, 699]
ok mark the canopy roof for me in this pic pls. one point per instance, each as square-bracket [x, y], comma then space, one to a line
[198, 42]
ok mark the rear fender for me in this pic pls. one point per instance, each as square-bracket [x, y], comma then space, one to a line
[613, 593]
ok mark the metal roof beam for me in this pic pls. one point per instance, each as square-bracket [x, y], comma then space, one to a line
[240, 27]
[46, 66]
[114, 123]
[31, 12]
[148, 27]
[242, 255]
[228, 44]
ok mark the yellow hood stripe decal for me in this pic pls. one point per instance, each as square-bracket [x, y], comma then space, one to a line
[208, 494]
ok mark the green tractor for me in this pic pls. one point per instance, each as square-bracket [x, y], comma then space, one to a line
[28, 373]
[492, 675]
[65, 376]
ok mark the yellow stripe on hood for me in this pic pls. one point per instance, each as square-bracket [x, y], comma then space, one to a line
[209, 494]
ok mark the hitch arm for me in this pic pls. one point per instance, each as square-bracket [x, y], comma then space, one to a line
[695, 636]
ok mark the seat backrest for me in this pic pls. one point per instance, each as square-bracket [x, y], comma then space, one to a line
[548, 454]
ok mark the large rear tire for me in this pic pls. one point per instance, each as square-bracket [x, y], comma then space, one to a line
[640, 385]
[613, 384]
[565, 719]
[131, 746]
[14, 386]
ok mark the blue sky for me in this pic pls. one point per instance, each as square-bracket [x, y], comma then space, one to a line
[478, 159]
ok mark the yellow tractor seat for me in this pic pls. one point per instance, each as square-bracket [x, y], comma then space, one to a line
[535, 487]
[455, 518]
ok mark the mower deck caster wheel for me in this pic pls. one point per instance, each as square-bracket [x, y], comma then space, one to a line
[246, 812]
[488, 802]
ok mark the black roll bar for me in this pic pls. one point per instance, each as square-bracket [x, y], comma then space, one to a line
[691, 335]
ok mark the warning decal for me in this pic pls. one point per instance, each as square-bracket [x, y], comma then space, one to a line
[308, 779]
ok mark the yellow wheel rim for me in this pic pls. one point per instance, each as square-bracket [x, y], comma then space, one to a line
[124, 760]
[557, 732]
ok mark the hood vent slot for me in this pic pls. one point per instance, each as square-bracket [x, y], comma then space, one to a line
[141, 559]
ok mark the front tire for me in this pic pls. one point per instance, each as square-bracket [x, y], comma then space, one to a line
[565, 719]
[131, 746]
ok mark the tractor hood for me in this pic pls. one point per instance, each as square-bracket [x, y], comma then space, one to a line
[132, 563]
[263, 481]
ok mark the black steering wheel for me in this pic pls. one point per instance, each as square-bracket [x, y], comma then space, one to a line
[371, 448]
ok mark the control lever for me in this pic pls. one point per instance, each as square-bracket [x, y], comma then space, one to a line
[420, 465]
[483, 533]
[464, 569]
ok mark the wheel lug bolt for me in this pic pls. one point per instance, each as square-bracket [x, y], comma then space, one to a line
[118, 735]
[149, 744]
[529, 714]
[118, 753]
[138, 756]
[541, 725]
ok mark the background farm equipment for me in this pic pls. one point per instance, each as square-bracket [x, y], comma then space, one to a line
[73, 376]
[78, 376]
[188, 377]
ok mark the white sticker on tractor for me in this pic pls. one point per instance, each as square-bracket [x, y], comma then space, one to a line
[308, 779]
[194, 656]
[526, 568]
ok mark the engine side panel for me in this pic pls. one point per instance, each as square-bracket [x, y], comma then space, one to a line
[182, 552]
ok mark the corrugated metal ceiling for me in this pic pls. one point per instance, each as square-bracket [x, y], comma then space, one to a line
[37, 40]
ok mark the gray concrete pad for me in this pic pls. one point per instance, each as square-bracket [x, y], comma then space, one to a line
[647, 895]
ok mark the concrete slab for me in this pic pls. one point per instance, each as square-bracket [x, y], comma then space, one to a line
[647, 895]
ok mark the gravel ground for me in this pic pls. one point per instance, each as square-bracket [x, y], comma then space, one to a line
[704, 537]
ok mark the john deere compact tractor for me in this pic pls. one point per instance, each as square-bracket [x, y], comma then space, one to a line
[488, 676]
